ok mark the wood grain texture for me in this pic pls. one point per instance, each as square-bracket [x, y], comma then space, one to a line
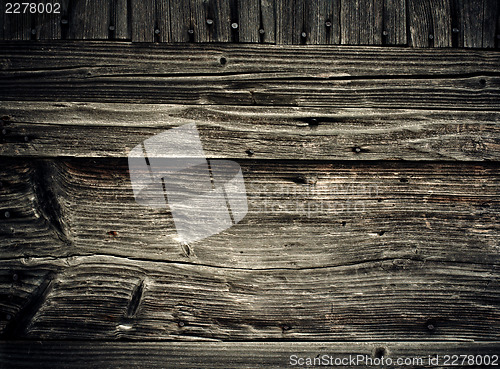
[476, 23]
[308, 214]
[89, 20]
[89, 297]
[112, 130]
[394, 23]
[256, 21]
[251, 75]
[361, 22]
[430, 23]
[22, 354]
[305, 22]
[145, 25]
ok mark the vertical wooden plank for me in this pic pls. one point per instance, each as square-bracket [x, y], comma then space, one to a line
[394, 19]
[89, 20]
[323, 22]
[163, 20]
[181, 21]
[47, 27]
[476, 23]
[16, 26]
[143, 20]
[284, 21]
[250, 20]
[119, 25]
[213, 20]
[430, 23]
[361, 22]
[268, 21]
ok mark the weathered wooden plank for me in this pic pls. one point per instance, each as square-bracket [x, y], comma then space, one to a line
[286, 23]
[151, 20]
[256, 21]
[70, 129]
[430, 23]
[182, 22]
[251, 75]
[308, 22]
[89, 20]
[476, 23]
[394, 23]
[50, 354]
[356, 212]
[323, 22]
[224, 16]
[106, 297]
[361, 22]
[16, 26]
[119, 28]
[144, 20]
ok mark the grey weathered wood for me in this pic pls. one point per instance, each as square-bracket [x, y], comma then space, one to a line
[430, 23]
[120, 20]
[15, 26]
[361, 22]
[477, 23]
[394, 23]
[71, 129]
[301, 214]
[144, 21]
[323, 22]
[182, 21]
[251, 75]
[221, 13]
[50, 354]
[304, 22]
[151, 20]
[256, 21]
[89, 20]
[386, 299]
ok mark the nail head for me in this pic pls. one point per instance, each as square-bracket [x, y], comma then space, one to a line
[210, 22]
[7, 214]
[111, 28]
[234, 25]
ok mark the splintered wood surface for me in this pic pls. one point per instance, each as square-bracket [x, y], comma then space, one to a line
[340, 249]
[251, 75]
[188, 355]
[417, 23]
[371, 175]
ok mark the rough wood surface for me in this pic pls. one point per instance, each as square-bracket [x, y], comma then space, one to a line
[251, 75]
[111, 130]
[476, 23]
[361, 22]
[109, 297]
[216, 355]
[394, 23]
[430, 23]
[308, 215]
[457, 23]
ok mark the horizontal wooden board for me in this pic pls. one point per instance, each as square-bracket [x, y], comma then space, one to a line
[250, 75]
[108, 297]
[218, 355]
[300, 214]
[112, 130]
